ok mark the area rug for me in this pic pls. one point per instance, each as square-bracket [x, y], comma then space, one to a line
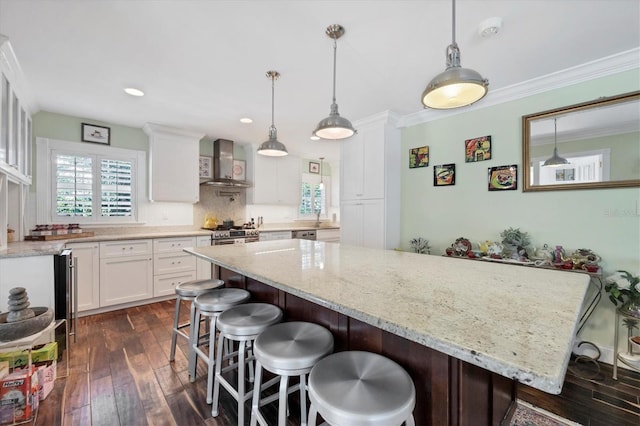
[529, 415]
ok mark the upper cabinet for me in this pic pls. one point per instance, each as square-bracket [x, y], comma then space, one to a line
[173, 164]
[15, 118]
[276, 180]
[363, 157]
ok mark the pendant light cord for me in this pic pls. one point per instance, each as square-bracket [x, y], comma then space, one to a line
[272, 100]
[555, 133]
[335, 48]
[453, 21]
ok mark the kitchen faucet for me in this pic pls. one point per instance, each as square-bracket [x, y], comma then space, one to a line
[318, 219]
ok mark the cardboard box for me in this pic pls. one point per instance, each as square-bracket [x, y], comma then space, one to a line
[19, 396]
[47, 375]
[39, 353]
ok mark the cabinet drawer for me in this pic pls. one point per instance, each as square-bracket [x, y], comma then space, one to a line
[125, 248]
[163, 245]
[165, 263]
[166, 284]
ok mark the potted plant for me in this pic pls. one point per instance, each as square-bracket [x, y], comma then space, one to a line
[420, 245]
[624, 290]
[514, 242]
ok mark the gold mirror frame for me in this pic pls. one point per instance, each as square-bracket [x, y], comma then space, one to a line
[561, 114]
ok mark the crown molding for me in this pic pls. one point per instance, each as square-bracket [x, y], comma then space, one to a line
[609, 65]
[388, 117]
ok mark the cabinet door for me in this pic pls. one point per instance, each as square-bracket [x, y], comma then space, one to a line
[362, 164]
[87, 262]
[125, 279]
[362, 223]
[276, 180]
[165, 285]
[204, 268]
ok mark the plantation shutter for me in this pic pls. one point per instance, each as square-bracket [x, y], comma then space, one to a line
[116, 187]
[74, 183]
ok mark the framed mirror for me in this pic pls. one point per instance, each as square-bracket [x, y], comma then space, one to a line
[595, 144]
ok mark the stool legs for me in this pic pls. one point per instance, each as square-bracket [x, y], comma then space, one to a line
[194, 337]
[174, 333]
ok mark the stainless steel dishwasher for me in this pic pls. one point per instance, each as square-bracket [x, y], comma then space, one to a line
[305, 235]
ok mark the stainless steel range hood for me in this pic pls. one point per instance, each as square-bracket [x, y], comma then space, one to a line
[223, 166]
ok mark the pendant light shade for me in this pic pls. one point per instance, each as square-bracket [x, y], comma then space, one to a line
[456, 86]
[555, 160]
[273, 147]
[334, 126]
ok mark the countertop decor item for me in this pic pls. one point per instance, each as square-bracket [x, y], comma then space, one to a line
[21, 320]
[624, 291]
[420, 245]
[515, 242]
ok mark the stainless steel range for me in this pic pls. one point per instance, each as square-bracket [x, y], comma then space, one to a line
[234, 236]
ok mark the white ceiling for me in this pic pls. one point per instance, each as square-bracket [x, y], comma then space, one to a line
[202, 63]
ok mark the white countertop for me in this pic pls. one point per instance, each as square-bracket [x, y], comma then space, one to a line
[516, 321]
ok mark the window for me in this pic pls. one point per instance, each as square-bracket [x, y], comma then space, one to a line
[89, 184]
[313, 197]
[586, 166]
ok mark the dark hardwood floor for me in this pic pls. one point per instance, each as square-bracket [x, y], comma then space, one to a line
[120, 374]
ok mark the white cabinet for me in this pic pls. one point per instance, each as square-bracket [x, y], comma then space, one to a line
[204, 269]
[126, 274]
[370, 184]
[276, 180]
[366, 220]
[328, 235]
[87, 263]
[275, 235]
[34, 273]
[171, 264]
[173, 164]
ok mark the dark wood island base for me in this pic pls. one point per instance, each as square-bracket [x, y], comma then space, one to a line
[448, 391]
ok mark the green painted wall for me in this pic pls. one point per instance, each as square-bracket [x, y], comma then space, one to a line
[604, 220]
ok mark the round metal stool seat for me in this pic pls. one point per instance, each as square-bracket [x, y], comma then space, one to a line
[188, 291]
[210, 304]
[221, 299]
[248, 320]
[242, 323]
[287, 349]
[197, 287]
[361, 388]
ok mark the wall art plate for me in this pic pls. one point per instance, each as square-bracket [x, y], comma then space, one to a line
[477, 149]
[503, 178]
[444, 175]
[419, 157]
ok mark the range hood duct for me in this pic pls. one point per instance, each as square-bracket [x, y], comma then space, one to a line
[223, 166]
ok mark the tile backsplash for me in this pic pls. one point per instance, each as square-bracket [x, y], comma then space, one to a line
[231, 205]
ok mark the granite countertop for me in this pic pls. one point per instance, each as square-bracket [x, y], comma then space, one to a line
[519, 322]
[43, 248]
[295, 227]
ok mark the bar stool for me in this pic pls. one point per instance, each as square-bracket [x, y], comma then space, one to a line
[361, 388]
[242, 323]
[188, 291]
[210, 304]
[287, 349]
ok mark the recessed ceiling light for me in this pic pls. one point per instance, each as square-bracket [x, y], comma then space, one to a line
[246, 120]
[490, 27]
[133, 91]
[314, 138]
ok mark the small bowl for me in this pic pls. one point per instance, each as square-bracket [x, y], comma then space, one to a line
[635, 343]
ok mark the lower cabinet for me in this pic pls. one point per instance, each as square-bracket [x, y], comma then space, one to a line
[204, 268]
[328, 235]
[171, 264]
[87, 263]
[123, 277]
[362, 223]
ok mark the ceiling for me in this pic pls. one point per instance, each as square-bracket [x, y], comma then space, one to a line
[202, 63]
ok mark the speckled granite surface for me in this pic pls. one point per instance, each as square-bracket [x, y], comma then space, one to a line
[512, 320]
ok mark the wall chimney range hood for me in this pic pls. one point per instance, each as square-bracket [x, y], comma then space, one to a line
[223, 166]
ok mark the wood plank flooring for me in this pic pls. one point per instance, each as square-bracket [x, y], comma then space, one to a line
[120, 374]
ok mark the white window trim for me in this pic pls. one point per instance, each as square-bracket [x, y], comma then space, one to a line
[315, 179]
[45, 186]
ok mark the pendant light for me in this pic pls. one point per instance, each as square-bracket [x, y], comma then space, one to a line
[555, 160]
[273, 147]
[456, 86]
[334, 126]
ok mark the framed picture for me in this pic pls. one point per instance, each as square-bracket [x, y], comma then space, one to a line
[96, 134]
[444, 175]
[503, 178]
[564, 175]
[477, 149]
[206, 167]
[314, 167]
[419, 157]
[239, 170]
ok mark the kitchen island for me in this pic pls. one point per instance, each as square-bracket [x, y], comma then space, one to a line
[466, 331]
